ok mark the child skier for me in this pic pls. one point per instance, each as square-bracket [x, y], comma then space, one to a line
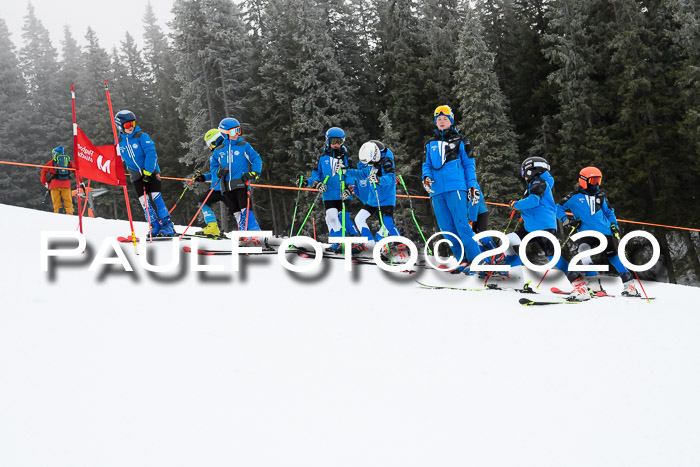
[539, 213]
[591, 211]
[333, 162]
[139, 153]
[234, 164]
[375, 186]
[213, 139]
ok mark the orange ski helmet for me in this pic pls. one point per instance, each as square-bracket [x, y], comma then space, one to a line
[589, 176]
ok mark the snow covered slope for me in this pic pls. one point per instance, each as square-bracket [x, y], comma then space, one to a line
[268, 368]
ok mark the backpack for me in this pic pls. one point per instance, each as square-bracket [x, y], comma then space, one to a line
[61, 162]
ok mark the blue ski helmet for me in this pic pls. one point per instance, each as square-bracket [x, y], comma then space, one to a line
[230, 126]
[335, 132]
[122, 117]
[58, 150]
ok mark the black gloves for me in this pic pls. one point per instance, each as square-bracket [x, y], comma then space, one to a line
[222, 172]
[199, 177]
[320, 186]
[615, 231]
[146, 176]
[250, 176]
[571, 222]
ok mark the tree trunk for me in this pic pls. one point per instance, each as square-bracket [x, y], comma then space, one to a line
[666, 253]
[693, 253]
[210, 103]
[223, 90]
[273, 213]
[223, 217]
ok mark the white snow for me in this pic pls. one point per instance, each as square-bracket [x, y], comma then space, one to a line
[268, 368]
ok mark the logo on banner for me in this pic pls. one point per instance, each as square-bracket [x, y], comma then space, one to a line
[103, 166]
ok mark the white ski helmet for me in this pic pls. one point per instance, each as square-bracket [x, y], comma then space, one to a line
[370, 152]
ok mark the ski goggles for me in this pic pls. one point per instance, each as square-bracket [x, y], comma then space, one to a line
[233, 133]
[129, 125]
[336, 140]
[595, 180]
[443, 110]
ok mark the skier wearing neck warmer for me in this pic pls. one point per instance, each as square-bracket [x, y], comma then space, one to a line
[591, 211]
[449, 176]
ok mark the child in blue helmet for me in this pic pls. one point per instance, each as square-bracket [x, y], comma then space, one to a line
[375, 185]
[137, 150]
[234, 164]
[337, 193]
[539, 213]
[213, 139]
[449, 177]
[591, 211]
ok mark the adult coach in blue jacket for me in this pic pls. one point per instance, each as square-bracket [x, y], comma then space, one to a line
[449, 176]
[137, 150]
[235, 163]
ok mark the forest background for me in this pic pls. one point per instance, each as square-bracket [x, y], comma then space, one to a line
[611, 84]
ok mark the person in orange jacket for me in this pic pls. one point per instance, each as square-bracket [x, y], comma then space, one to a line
[56, 177]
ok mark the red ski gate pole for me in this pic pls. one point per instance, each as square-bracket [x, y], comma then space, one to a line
[116, 142]
[75, 153]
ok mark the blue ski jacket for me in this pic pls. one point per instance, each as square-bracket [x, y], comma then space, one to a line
[449, 162]
[386, 188]
[239, 157]
[328, 165]
[138, 151]
[538, 208]
[592, 209]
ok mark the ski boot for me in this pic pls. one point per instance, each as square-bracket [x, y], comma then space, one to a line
[629, 289]
[212, 229]
[167, 229]
[580, 292]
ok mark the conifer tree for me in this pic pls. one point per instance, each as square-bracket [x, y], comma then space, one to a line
[18, 186]
[484, 120]
[38, 57]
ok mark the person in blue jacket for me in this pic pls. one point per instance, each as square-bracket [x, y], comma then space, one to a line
[539, 213]
[337, 193]
[591, 210]
[138, 151]
[234, 164]
[213, 139]
[449, 177]
[375, 185]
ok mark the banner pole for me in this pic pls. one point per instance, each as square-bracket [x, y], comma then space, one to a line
[75, 157]
[116, 143]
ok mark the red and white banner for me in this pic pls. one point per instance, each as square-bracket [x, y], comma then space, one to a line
[98, 163]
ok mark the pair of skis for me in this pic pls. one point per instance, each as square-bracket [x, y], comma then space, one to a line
[523, 301]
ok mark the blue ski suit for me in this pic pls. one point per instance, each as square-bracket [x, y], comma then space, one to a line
[382, 196]
[592, 209]
[239, 157]
[450, 164]
[138, 151]
[328, 165]
[537, 208]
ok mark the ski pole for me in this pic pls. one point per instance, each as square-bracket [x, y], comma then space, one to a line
[510, 219]
[45, 195]
[181, 195]
[414, 215]
[200, 206]
[310, 208]
[148, 212]
[342, 189]
[562, 246]
[381, 221]
[247, 205]
[296, 204]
